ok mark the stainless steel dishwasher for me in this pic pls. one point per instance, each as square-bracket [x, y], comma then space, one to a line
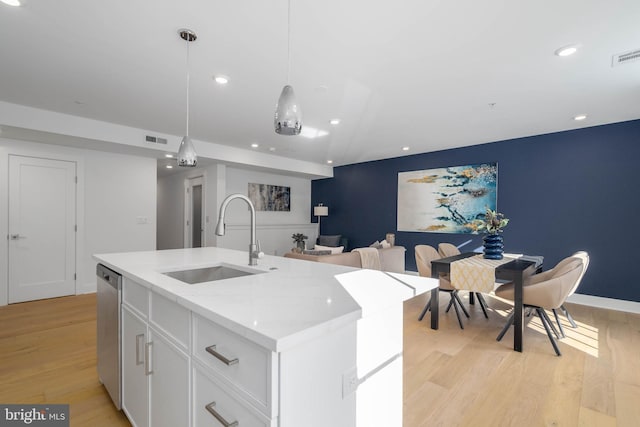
[109, 284]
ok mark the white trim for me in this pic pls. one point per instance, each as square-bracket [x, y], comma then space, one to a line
[34, 124]
[307, 226]
[45, 152]
[608, 303]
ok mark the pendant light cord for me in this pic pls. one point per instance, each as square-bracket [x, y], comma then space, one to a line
[188, 78]
[288, 40]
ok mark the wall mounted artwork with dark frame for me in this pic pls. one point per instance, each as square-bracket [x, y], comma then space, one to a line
[446, 200]
[267, 197]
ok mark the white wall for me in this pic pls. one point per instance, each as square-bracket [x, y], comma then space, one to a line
[274, 229]
[120, 192]
[170, 212]
[171, 209]
[113, 191]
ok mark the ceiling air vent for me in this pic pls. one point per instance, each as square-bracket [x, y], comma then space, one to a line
[625, 58]
[155, 140]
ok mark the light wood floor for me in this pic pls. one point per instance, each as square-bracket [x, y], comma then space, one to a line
[455, 377]
[48, 355]
[452, 377]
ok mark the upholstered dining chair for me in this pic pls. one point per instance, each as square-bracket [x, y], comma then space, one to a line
[424, 255]
[548, 292]
[584, 256]
[447, 250]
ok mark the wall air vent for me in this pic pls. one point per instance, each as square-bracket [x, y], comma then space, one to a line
[625, 58]
[155, 140]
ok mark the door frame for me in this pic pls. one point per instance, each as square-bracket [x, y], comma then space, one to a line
[189, 182]
[32, 149]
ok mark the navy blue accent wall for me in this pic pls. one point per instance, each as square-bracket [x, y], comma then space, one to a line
[563, 192]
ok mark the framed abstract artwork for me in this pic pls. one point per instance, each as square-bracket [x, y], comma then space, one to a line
[267, 197]
[446, 200]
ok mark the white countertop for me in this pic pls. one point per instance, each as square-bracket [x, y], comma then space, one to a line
[291, 302]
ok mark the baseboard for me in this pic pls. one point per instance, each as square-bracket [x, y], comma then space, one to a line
[86, 288]
[608, 303]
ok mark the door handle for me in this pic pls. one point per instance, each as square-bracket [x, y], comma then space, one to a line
[16, 237]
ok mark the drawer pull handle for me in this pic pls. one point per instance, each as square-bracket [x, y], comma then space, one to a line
[139, 343]
[148, 367]
[212, 350]
[219, 417]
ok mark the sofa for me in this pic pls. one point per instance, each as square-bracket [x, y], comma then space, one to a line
[391, 259]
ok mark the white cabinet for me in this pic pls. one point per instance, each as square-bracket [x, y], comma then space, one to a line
[155, 362]
[135, 390]
[168, 383]
[249, 369]
[216, 405]
[183, 369]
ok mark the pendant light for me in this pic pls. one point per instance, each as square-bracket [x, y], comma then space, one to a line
[187, 154]
[288, 117]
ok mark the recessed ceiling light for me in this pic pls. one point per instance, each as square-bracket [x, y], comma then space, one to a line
[221, 80]
[330, 162]
[254, 145]
[580, 117]
[405, 148]
[11, 2]
[334, 121]
[567, 50]
[169, 156]
[309, 132]
[169, 167]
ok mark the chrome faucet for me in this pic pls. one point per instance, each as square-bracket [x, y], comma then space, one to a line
[254, 246]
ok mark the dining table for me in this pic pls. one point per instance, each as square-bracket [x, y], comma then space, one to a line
[514, 271]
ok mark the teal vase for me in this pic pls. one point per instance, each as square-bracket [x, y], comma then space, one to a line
[493, 246]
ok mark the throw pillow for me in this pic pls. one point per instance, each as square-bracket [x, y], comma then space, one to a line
[375, 245]
[332, 241]
[384, 244]
[333, 250]
[315, 252]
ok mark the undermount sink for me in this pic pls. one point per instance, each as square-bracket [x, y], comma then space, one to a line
[209, 274]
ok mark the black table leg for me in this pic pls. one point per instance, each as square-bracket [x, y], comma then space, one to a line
[435, 300]
[518, 320]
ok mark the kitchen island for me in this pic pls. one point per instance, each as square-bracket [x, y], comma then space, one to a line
[290, 343]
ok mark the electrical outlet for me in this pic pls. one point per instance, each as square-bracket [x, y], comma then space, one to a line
[349, 382]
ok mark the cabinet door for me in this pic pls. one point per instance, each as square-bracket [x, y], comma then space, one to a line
[135, 394]
[168, 382]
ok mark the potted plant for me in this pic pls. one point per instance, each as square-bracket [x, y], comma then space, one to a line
[298, 239]
[493, 223]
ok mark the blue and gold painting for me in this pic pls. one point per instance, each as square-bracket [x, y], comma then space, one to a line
[446, 200]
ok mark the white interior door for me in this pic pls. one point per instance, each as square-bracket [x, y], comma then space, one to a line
[42, 235]
[194, 213]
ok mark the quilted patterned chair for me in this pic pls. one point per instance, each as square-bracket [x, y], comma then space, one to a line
[447, 250]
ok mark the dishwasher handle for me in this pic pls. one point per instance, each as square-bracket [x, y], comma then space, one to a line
[109, 276]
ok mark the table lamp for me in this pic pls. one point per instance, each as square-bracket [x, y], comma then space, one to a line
[319, 211]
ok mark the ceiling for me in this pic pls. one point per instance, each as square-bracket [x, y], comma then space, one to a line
[422, 74]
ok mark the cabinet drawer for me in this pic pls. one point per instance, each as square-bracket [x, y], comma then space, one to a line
[249, 367]
[208, 392]
[136, 296]
[172, 318]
